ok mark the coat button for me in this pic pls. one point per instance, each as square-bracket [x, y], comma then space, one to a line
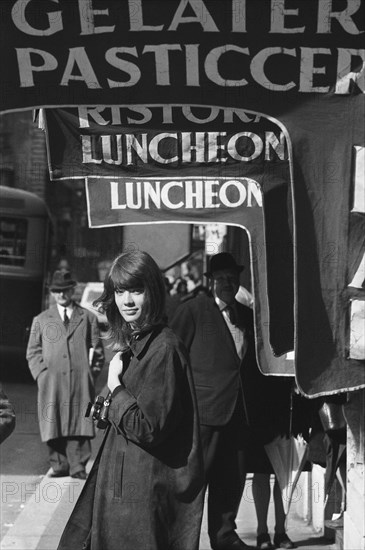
[64, 356]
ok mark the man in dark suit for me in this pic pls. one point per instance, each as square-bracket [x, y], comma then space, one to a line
[218, 333]
[64, 354]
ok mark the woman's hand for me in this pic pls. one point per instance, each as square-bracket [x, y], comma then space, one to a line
[115, 369]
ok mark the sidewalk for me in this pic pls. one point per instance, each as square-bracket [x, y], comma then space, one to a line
[40, 524]
[300, 533]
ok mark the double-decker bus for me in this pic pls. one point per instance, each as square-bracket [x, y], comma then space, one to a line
[24, 237]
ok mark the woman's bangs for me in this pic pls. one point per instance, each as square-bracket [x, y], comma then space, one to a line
[122, 279]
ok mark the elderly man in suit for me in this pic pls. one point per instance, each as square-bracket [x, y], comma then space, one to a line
[218, 333]
[64, 355]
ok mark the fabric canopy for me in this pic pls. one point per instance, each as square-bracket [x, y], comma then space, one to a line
[298, 68]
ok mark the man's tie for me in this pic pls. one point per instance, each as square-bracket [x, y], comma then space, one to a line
[66, 320]
[231, 314]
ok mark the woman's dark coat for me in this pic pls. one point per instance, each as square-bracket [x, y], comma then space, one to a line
[273, 410]
[145, 489]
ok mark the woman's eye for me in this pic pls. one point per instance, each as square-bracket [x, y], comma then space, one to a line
[137, 291]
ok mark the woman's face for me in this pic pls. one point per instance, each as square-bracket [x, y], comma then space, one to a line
[129, 303]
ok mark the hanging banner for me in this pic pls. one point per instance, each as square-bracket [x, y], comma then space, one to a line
[161, 139]
[298, 65]
[93, 52]
[210, 164]
[113, 201]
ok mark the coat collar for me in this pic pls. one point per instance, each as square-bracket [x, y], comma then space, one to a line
[77, 316]
[142, 341]
[221, 321]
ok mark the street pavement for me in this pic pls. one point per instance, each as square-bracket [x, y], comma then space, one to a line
[44, 505]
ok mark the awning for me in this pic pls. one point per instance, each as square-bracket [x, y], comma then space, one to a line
[192, 70]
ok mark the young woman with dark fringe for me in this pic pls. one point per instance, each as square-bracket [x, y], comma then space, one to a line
[145, 488]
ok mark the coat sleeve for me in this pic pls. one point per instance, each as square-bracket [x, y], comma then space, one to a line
[35, 350]
[156, 411]
[7, 416]
[183, 324]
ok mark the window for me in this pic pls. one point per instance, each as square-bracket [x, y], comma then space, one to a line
[13, 241]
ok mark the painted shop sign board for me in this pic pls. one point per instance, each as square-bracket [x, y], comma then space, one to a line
[89, 52]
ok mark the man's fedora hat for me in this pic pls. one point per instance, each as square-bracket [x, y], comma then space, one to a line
[61, 280]
[224, 260]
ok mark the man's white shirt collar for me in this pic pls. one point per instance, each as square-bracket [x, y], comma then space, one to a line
[222, 305]
[69, 310]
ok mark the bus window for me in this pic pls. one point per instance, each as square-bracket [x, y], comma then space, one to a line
[13, 239]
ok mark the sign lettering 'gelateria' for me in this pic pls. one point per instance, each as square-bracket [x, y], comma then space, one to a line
[93, 21]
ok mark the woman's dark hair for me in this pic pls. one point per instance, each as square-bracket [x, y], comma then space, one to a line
[133, 270]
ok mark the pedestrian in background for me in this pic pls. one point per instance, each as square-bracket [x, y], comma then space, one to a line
[64, 354]
[145, 490]
[7, 416]
[218, 334]
[268, 402]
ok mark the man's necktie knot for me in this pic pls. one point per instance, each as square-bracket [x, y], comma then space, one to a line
[66, 320]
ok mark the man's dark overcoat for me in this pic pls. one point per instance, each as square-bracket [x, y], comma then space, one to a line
[216, 367]
[145, 490]
[58, 359]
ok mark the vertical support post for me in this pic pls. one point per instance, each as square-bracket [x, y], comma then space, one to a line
[354, 517]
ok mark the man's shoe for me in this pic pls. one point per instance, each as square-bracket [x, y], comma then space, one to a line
[263, 542]
[335, 523]
[61, 473]
[283, 541]
[79, 475]
[232, 544]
